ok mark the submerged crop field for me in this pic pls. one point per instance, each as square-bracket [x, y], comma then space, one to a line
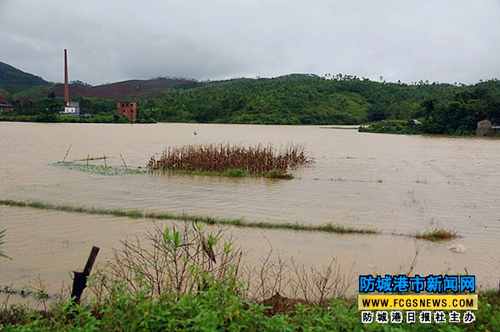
[232, 159]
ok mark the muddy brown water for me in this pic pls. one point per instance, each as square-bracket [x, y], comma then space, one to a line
[395, 184]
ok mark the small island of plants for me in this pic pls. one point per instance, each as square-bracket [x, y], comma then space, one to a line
[232, 160]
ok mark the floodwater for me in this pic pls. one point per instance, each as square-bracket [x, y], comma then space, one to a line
[395, 184]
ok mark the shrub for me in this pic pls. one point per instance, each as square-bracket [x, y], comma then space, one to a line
[276, 174]
[235, 173]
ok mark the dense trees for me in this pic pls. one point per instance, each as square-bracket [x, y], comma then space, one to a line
[299, 99]
[285, 100]
[306, 99]
[460, 114]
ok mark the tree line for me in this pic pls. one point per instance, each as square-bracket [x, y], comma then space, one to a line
[305, 99]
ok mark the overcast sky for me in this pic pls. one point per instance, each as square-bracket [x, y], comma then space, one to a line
[113, 40]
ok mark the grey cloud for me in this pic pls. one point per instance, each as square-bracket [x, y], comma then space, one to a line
[111, 40]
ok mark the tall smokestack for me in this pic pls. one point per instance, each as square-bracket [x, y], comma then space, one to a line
[66, 86]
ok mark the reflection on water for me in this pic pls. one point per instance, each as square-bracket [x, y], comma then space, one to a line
[399, 184]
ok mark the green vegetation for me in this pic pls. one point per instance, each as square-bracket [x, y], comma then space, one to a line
[455, 115]
[392, 127]
[437, 234]
[235, 173]
[309, 99]
[100, 169]
[13, 80]
[230, 173]
[450, 109]
[294, 99]
[93, 110]
[219, 309]
[276, 174]
[231, 160]
[236, 222]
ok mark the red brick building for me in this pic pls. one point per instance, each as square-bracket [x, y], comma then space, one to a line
[4, 104]
[128, 108]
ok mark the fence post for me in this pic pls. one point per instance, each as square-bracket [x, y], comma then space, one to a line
[80, 279]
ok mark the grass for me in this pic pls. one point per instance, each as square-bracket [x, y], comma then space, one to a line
[276, 174]
[232, 160]
[437, 234]
[233, 173]
[236, 222]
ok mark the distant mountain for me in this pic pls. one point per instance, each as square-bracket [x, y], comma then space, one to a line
[132, 89]
[24, 86]
[13, 80]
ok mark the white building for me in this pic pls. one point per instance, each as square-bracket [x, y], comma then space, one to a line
[72, 108]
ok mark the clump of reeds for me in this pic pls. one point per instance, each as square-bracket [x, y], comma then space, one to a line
[219, 158]
[437, 234]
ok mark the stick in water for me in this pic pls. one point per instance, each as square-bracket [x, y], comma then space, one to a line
[124, 162]
[67, 152]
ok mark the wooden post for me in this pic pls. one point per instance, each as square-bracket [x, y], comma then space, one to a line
[80, 279]
[67, 152]
[124, 162]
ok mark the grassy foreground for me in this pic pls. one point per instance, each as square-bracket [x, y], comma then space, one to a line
[236, 222]
[217, 309]
[192, 281]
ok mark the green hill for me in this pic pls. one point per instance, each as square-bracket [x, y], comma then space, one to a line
[13, 80]
[296, 99]
[292, 99]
